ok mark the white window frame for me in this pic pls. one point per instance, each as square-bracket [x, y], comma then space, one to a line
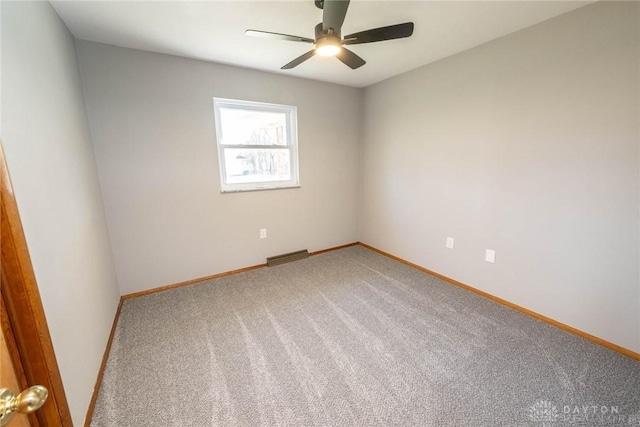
[290, 112]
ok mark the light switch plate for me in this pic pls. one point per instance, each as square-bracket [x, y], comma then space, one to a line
[490, 256]
[450, 242]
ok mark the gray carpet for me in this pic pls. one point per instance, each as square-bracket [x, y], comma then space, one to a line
[352, 338]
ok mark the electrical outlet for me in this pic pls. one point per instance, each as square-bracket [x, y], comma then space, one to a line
[490, 256]
[450, 242]
[263, 233]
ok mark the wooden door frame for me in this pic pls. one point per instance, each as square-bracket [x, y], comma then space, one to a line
[25, 312]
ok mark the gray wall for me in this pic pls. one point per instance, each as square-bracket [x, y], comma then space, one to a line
[47, 143]
[152, 124]
[528, 145]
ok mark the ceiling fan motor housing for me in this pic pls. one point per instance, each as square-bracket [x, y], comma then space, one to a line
[332, 32]
[331, 36]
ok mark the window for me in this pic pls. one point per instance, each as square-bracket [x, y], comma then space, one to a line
[257, 145]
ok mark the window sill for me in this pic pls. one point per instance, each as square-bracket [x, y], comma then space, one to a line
[266, 188]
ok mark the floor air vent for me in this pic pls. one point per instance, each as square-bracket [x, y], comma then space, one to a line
[285, 258]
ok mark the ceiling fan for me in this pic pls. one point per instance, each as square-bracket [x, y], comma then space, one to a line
[328, 37]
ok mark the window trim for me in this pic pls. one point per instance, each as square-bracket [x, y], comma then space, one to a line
[290, 112]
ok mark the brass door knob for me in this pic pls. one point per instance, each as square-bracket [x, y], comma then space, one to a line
[26, 402]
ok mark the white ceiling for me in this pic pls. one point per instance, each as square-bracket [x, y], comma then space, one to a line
[214, 30]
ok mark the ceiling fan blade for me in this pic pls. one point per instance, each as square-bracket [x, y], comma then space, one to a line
[333, 14]
[299, 60]
[391, 32]
[349, 58]
[278, 36]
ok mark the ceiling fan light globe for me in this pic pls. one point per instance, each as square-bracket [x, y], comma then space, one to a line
[328, 50]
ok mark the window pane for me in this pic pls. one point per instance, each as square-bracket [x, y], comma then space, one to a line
[257, 165]
[251, 127]
[257, 145]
